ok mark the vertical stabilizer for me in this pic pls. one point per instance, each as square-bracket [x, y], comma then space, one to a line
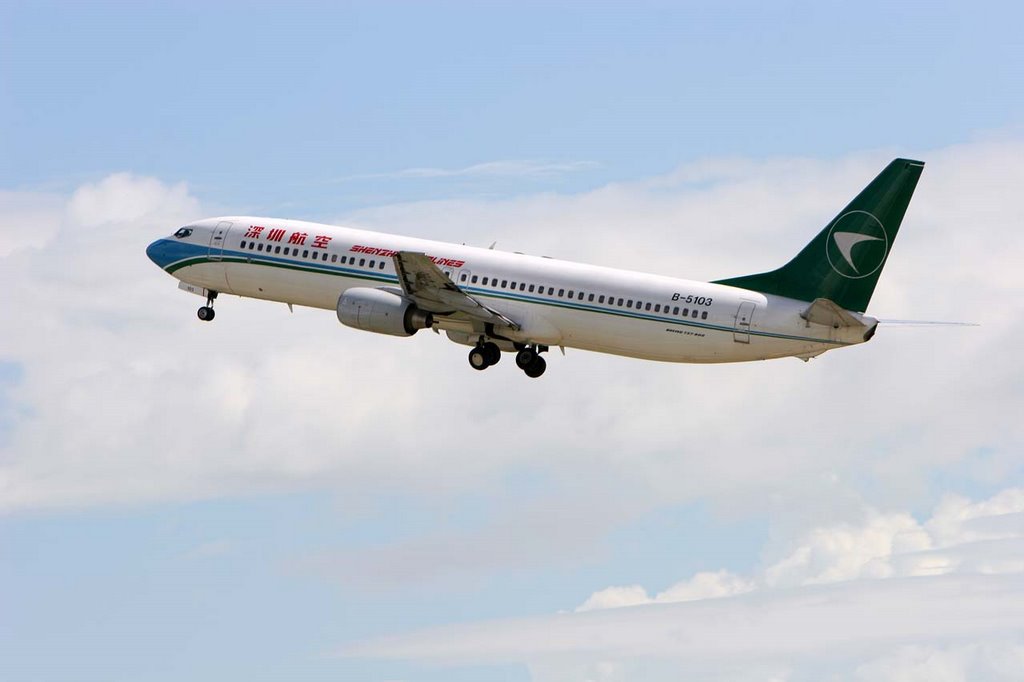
[843, 262]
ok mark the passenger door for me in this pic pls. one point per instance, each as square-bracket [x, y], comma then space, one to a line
[218, 238]
[744, 316]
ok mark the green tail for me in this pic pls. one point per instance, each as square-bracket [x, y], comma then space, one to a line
[844, 261]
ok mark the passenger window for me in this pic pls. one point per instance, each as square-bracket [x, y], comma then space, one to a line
[675, 311]
[334, 258]
[590, 298]
[686, 312]
[531, 288]
[704, 315]
[259, 247]
[485, 281]
[373, 263]
[381, 266]
[657, 307]
[252, 245]
[694, 315]
[629, 303]
[551, 291]
[324, 257]
[362, 262]
[620, 301]
[474, 280]
[243, 243]
[580, 296]
[561, 293]
[503, 283]
[513, 287]
[522, 286]
[600, 299]
[647, 306]
[571, 294]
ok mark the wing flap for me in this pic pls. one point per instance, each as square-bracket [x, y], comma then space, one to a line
[434, 291]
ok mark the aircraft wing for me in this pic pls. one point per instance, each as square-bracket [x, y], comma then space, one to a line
[434, 291]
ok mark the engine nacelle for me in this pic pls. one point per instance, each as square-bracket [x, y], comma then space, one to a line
[377, 310]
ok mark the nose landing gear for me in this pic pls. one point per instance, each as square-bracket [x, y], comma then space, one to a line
[206, 313]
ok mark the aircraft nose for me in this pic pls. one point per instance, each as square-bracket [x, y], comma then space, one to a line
[157, 252]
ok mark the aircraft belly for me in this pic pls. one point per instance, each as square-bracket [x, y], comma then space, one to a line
[209, 275]
[315, 290]
[639, 338]
[674, 342]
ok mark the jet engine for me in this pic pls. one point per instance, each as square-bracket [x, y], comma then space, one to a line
[377, 310]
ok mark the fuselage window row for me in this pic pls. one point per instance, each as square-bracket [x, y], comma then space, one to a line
[494, 282]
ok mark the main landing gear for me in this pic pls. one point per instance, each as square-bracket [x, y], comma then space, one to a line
[528, 358]
[484, 355]
[530, 361]
[206, 313]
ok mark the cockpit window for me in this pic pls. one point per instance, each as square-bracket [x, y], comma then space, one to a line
[183, 232]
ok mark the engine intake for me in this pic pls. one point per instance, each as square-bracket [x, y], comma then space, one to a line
[380, 311]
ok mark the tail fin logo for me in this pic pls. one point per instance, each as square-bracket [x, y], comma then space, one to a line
[857, 245]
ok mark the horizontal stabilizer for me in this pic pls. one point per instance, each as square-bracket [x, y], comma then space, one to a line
[824, 311]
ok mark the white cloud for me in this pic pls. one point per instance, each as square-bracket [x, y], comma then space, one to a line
[615, 597]
[997, 661]
[703, 585]
[849, 610]
[961, 536]
[123, 199]
[127, 398]
[27, 219]
[856, 620]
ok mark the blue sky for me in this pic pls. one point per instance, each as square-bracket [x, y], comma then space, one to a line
[269, 106]
[276, 497]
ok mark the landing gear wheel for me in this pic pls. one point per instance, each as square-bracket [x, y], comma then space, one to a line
[537, 368]
[478, 359]
[206, 312]
[525, 358]
[492, 352]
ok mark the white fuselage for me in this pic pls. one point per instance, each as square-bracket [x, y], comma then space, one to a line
[555, 302]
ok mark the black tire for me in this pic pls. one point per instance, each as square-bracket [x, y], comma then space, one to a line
[205, 313]
[492, 352]
[537, 368]
[478, 359]
[525, 358]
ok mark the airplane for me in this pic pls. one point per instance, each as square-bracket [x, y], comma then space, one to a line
[498, 302]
